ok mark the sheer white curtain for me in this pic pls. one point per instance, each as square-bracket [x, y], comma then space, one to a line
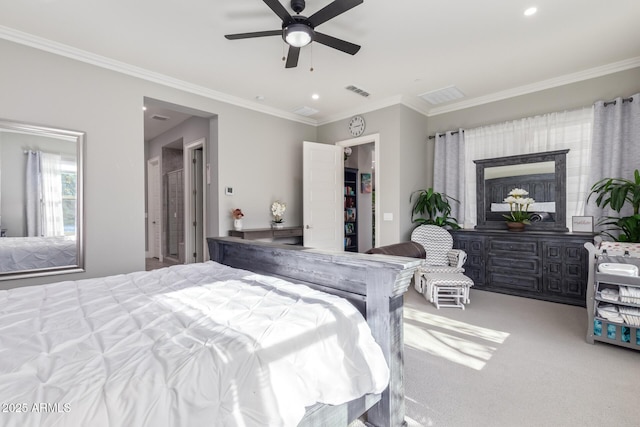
[448, 170]
[44, 195]
[34, 223]
[51, 185]
[616, 146]
[549, 132]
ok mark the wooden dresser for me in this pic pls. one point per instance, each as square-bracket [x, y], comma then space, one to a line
[547, 265]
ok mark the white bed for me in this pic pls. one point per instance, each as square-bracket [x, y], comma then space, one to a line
[28, 253]
[194, 345]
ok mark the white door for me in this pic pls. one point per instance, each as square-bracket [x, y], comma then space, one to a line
[323, 205]
[153, 207]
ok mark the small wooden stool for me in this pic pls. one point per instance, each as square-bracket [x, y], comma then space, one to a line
[447, 289]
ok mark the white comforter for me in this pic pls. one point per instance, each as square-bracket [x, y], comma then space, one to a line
[191, 345]
[27, 253]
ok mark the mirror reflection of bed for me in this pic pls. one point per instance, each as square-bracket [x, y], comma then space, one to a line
[40, 200]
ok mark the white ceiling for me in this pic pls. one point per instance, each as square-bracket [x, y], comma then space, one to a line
[487, 49]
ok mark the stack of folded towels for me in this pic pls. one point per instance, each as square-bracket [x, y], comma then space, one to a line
[613, 313]
[610, 312]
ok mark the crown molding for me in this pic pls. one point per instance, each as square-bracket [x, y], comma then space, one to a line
[60, 49]
[579, 76]
[416, 104]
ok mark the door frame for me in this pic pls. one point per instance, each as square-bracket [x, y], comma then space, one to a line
[368, 139]
[189, 244]
[154, 163]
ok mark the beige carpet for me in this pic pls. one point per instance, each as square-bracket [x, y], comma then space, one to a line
[510, 361]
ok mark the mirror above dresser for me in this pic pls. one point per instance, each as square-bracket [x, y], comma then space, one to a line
[543, 175]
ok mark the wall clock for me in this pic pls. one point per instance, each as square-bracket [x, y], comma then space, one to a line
[356, 126]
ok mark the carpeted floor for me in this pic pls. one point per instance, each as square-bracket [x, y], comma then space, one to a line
[154, 263]
[511, 361]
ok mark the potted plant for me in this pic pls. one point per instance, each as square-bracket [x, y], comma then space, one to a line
[277, 210]
[617, 192]
[433, 207]
[518, 209]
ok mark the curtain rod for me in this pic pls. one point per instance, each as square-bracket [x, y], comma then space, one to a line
[630, 99]
[442, 133]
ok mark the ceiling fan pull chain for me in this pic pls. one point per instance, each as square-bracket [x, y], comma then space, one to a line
[283, 48]
[311, 56]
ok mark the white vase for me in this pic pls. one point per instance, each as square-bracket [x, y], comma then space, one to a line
[237, 224]
[277, 225]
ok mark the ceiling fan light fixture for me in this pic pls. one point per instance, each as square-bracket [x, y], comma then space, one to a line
[297, 35]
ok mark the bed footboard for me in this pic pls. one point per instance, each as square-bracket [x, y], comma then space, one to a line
[374, 283]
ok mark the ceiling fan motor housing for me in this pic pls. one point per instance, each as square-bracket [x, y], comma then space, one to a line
[297, 5]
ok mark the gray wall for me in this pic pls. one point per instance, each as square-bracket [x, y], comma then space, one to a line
[403, 133]
[257, 154]
[262, 153]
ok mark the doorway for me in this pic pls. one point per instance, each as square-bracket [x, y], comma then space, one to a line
[194, 197]
[177, 140]
[363, 155]
[154, 223]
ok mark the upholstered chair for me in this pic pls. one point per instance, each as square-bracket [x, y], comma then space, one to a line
[440, 255]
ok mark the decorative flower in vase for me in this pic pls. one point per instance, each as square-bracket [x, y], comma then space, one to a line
[277, 210]
[237, 218]
[518, 206]
[237, 213]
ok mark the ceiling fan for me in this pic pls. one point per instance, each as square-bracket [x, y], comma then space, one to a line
[298, 31]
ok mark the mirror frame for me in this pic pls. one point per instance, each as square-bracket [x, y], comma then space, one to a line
[559, 158]
[79, 137]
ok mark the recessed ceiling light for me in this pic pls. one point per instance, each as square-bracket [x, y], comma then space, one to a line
[315, 96]
[530, 11]
[144, 108]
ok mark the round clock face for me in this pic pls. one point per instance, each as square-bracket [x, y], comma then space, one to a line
[356, 126]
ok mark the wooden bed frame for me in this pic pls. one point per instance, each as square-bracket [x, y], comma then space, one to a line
[375, 284]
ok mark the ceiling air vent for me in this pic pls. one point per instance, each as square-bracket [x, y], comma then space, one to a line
[159, 117]
[305, 111]
[356, 89]
[439, 96]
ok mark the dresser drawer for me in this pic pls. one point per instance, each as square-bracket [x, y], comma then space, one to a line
[514, 282]
[515, 247]
[515, 265]
[287, 232]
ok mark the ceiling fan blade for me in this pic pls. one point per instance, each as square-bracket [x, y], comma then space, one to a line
[254, 34]
[292, 57]
[332, 10]
[279, 10]
[335, 43]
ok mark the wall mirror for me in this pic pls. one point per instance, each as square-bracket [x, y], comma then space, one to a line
[40, 200]
[543, 175]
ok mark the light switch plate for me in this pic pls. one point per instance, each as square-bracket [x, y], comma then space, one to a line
[387, 216]
[228, 191]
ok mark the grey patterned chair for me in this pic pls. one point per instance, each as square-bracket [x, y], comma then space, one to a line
[440, 277]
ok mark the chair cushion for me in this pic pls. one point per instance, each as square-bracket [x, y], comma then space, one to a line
[437, 243]
[408, 249]
[448, 279]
